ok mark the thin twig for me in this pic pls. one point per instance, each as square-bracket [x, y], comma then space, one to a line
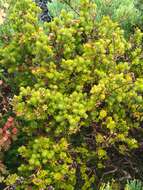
[66, 2]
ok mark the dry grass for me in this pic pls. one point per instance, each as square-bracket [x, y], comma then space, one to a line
[2, 16]
[2, 12]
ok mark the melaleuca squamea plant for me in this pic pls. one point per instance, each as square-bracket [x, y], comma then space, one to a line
[85, 101]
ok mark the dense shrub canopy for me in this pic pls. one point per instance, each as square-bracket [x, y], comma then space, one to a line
[78, 99]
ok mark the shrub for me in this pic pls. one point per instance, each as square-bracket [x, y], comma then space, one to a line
[127, 12]
[80, 96]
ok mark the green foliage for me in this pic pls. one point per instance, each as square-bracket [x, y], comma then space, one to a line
[131, 185]
[18, 51]
[52, 163]
[123, 11]
[127, 12]
[134, 185]
[106, 186]
[56, 6]
[79, 95]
